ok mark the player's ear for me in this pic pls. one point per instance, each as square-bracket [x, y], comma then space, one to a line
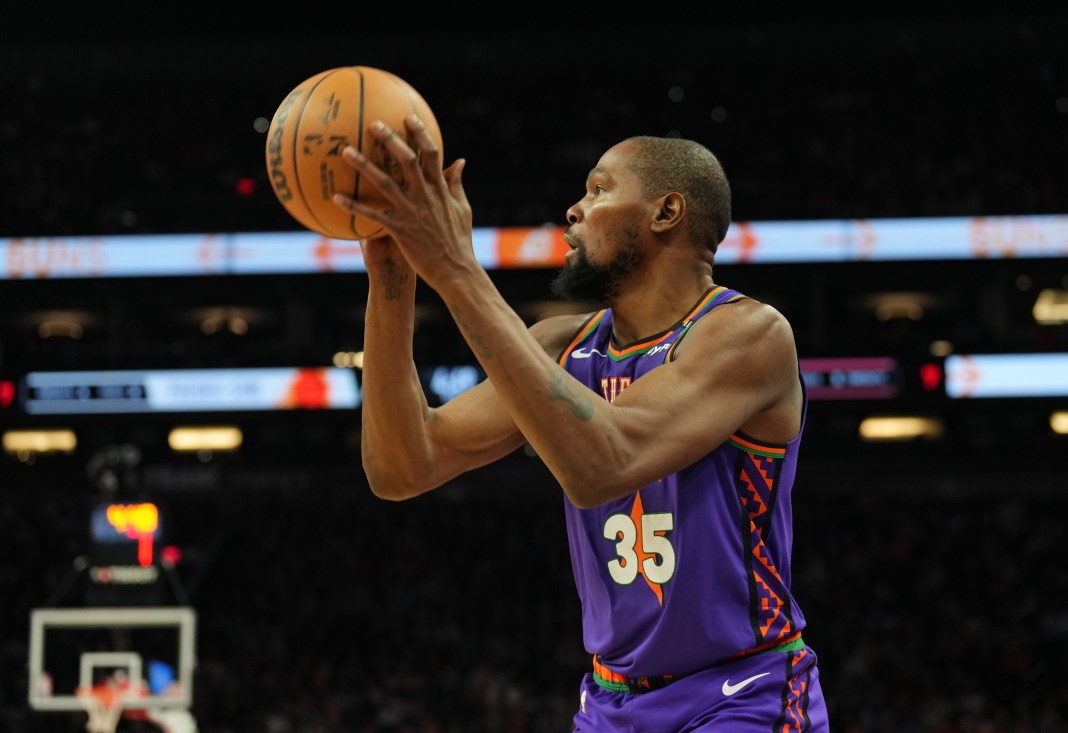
[669, 213]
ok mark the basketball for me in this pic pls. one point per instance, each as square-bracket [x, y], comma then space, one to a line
[311, 128]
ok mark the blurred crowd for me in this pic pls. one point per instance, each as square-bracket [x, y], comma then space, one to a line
[821, 121]
[334, 612]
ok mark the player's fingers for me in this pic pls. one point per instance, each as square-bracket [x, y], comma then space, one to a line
[454, 175]
[427, 147]
[379, 214]
[379, 178]
[454, 180]
[387, 189]
[397, 147]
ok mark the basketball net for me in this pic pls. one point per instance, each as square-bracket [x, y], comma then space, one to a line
[103, 704]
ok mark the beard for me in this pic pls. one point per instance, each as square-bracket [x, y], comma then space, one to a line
[584, 280]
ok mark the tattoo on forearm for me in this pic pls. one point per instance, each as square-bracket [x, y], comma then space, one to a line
[478, 343]
[393, 281]
[578, 399]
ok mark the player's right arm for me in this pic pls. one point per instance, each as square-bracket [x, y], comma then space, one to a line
[407, 446]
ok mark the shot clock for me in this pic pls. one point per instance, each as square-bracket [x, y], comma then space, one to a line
[127, 559]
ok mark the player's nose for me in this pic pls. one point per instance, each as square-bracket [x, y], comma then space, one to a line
[573, 214]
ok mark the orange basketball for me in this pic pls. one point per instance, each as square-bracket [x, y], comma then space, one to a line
[313, 125]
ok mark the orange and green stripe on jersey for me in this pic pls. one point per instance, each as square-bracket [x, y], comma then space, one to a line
[583, 334]
[768, 450]
[616, 682]
[715, 296]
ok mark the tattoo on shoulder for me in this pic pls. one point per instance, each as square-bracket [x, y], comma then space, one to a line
[579, 399]
[393, 281]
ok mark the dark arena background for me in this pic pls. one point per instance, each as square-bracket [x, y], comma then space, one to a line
[900, 194]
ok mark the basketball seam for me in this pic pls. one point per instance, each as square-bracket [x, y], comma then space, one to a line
[296, 144]
[323, 172]
[359, 146]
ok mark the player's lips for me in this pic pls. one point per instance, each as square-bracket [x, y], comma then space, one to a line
[570, 254]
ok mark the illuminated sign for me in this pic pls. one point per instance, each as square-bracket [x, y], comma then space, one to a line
[127, 560]
[7, 392]
[333, 388]
[1007, 375]
[190, 390]
[258, 253]
[874, 378]
[119, 523]
[445, 382]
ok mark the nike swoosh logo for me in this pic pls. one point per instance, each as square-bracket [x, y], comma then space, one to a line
[729, 689]
[581, 353]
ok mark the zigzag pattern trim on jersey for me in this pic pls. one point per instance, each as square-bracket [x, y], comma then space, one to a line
[795, 693]
[756, 477]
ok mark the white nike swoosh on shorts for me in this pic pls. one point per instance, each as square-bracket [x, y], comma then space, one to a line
[729, 689]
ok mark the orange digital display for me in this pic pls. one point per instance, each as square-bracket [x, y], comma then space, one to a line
[137, 522]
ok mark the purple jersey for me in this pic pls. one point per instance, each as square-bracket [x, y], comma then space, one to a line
[694, 568]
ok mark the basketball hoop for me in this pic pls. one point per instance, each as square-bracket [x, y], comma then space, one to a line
[103, 704]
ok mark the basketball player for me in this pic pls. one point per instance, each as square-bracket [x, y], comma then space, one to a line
[671, 418]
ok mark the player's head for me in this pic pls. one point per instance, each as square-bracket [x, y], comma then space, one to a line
[644, 187]
[666, 164]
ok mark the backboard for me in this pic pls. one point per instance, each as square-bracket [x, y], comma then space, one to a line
[151, 648]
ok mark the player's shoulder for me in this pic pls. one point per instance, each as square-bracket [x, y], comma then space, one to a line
[555, 332]
[747, 311]
[745, 321]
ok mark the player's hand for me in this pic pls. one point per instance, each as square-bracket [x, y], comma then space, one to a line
[425, 208]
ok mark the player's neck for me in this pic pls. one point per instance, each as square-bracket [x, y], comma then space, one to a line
[656, 304]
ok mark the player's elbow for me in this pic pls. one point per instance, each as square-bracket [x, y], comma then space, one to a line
[581, 499]
[393, 490]
[392, 485]
[594, 488]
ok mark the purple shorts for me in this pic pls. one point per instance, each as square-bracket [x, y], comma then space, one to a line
[771, 691]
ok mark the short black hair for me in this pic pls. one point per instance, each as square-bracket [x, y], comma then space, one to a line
[666, 164]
